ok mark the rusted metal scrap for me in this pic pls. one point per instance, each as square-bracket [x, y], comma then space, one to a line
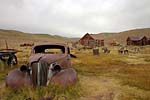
[123, 50]
[27, 45]
[48, 63]
[105, 50]
[8, 55]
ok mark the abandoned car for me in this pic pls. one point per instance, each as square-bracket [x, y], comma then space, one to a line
[48, 63]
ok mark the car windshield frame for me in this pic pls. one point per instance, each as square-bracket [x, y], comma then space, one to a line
[42, 48]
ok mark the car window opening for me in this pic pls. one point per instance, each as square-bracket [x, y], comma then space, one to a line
[50, 49]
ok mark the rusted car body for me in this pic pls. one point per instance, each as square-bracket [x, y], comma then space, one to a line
[51, 53]
[48, 63]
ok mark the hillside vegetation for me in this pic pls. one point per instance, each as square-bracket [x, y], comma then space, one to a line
[122, 36]
[15, 38]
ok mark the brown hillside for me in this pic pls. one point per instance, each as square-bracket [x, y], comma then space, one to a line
[15, 38]
[122, 36]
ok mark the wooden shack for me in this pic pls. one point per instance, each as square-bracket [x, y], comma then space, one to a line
[92, 40]
[148, 41]
[137, 41]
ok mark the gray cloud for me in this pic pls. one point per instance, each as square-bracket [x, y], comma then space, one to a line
[74, 17]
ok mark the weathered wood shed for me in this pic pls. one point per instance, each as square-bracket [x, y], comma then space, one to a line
[148, 41]
[137, 41]
[92, 40]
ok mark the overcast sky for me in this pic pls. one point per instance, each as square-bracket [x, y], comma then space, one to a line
[74, 18]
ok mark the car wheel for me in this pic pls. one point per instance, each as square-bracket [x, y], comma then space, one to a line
[12, 60]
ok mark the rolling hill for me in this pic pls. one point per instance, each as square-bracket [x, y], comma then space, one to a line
[15, 38]
[122, 36]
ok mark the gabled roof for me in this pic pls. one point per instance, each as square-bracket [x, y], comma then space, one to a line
[136, 38]
[94, 36]
[97, 36]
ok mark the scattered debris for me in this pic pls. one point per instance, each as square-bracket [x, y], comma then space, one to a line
[8, 55]
[27, 45]
[105, 50]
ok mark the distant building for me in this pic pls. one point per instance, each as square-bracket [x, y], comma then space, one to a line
[148, 41]
[72, 44]
[92, 40]
[137, 41]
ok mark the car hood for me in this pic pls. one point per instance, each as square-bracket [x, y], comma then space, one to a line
[49, 58]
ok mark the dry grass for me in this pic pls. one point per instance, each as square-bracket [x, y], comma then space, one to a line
[103, 77]
[136, 76]
[130, 77]
[15, 38]
[72, 93]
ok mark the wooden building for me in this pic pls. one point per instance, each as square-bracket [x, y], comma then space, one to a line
[148, 41]
[92, 40]
[137, 41]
